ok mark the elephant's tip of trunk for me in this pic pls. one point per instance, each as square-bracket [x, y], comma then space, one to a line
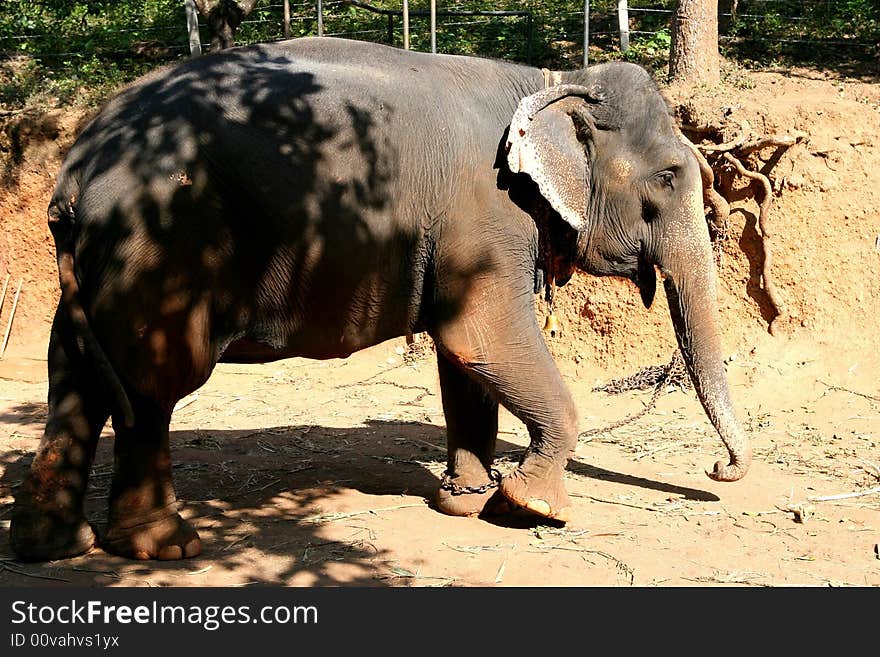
[733, 471]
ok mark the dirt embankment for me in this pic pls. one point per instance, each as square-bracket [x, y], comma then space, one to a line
[31, 150]
[305, 473]
[824, 228]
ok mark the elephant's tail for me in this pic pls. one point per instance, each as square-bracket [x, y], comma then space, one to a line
[63, 225]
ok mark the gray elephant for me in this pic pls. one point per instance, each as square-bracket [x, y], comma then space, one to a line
[318, 196]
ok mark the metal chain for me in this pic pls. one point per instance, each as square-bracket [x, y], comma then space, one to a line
[659, 376]
[446, 483]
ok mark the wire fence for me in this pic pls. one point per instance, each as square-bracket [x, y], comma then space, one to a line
[808, 29]
[105, 42]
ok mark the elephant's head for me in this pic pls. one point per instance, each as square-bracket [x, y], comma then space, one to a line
[605, 155]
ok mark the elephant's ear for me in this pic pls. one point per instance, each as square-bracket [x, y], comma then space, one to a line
[547, 139]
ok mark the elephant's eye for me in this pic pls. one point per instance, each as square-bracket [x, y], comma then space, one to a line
[666, 178]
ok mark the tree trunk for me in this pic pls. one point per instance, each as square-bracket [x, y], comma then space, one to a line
[693, 56]
[223, 18]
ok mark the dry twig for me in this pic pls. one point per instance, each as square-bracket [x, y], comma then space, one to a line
[845, 496]
[852, 392]
[334, 517]
[599, 499]
[3, 294]
[5, 565]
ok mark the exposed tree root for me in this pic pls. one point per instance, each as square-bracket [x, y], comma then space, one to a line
[767, 236]
[714, 158]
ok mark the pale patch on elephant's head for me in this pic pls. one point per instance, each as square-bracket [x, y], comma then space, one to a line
[620, 171]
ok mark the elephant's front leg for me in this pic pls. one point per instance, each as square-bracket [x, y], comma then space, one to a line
[468, 487]
[499, 345]
[532, 389]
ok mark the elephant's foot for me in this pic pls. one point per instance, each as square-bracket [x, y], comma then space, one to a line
[39, 535]
[538, 486]
[167, 538]
[471, 494]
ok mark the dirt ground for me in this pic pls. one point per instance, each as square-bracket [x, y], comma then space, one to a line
[312, 473]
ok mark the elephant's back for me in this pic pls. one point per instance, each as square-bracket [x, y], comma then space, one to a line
[297, 92]
[298, 143]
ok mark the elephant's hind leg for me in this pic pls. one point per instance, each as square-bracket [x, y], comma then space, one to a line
[471, 427]
[143, 521]
[48, 521]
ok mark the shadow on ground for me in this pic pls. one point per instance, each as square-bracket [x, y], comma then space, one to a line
[266, 496]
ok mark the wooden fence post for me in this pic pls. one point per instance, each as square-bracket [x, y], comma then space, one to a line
[586, 33]
[286, 19]
[406, 24]
[192, 27]
[623, 23]
[434, 26]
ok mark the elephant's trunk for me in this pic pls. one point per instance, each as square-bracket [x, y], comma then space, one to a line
[690, 285]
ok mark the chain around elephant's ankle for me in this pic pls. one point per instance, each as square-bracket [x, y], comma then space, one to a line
[446, 483]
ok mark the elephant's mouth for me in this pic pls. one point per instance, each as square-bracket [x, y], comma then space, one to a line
[645, 277]
[634, 265]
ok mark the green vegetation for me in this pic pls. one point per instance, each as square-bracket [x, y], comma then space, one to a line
[59, 52]
[651, 51]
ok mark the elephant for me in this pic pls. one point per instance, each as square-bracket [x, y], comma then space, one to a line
[316, 196]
